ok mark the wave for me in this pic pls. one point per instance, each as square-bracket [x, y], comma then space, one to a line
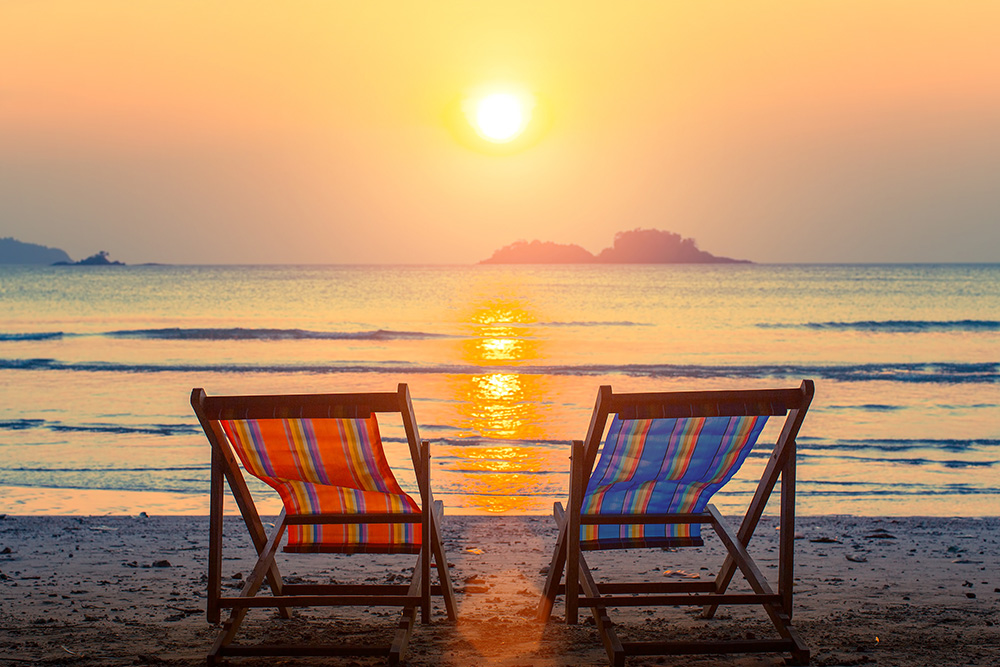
[895, 326]
[897, 444]
[199, 468]
[119, 429]
[240, 333]
[867, 407]
[921, 461]
[42, 335]
[919, 373]
[896, 492]
[624, 323]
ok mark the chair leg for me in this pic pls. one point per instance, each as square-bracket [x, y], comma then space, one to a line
[554, 575]
[405, 627]
[264, 566]
[605, 627]
[216, 514]
[444, 574]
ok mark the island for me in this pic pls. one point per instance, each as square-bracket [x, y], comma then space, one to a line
[638, 246]
[99, 259]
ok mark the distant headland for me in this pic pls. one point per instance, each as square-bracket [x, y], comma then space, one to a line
[639, 246]
[13, 251]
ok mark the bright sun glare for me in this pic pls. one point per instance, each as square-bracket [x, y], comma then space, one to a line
[500, 117]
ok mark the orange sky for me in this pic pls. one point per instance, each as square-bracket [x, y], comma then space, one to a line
[322, 132]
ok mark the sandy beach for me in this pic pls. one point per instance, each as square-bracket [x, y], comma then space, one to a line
[116, 590]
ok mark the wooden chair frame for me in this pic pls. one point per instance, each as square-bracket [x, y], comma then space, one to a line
[225, 466]
[599, 597]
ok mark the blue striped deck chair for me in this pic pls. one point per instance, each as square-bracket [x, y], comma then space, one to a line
[323, 455]
[644, 477]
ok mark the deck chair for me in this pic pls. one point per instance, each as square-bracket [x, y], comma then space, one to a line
[323, 454]
[664, 456]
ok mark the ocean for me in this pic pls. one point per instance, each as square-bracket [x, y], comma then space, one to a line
[503, 364]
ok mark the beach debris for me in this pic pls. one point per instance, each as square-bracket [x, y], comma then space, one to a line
[475, 584]
[880, 535]
[971, 596]
[474, 551]
[187, 611]
[967, 584]
[103, 528]
[6, 550]
[856, 559]
[239, 575]
[161, 563]
[143, 515]
[681, 574]
[826, 540]
[66, 649]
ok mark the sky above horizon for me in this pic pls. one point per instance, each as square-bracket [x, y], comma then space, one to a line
[327, 132]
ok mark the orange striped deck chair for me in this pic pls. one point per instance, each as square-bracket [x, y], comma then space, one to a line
[663, 457]
[323, 455]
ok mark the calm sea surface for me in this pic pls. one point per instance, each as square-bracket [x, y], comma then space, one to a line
[503, 363]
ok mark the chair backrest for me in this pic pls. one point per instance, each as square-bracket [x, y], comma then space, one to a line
[666, 454]
[323, 454]
[663, 466]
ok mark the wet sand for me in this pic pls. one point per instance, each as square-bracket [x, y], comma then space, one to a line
[116, 590]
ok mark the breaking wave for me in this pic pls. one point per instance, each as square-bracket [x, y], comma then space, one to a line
[907, 373]
[895, 326]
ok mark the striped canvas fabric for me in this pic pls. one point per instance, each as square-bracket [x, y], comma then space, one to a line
[663, 466]
[328, 466]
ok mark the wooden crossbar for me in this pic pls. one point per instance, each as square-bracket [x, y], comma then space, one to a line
[300, 406]
[655, 405]
[300, 651]
[613, 588]
[354, 589]
[643, 519]
[320, 601]
[677, 600]
[317, 519]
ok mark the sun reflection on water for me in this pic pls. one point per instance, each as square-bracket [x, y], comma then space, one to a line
[500, 404]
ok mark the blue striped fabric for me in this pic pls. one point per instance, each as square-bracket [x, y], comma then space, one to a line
[663, 466]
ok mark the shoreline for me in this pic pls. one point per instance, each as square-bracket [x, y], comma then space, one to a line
[62, 501]
[87, 590]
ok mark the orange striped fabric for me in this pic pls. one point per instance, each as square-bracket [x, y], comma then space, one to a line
[328, 466]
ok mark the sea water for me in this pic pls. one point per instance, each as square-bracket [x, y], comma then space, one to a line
[503, 364]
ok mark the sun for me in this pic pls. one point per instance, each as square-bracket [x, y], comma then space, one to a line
[499, 117]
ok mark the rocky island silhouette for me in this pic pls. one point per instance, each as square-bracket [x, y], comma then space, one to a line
[638, 246]
[98, 259]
